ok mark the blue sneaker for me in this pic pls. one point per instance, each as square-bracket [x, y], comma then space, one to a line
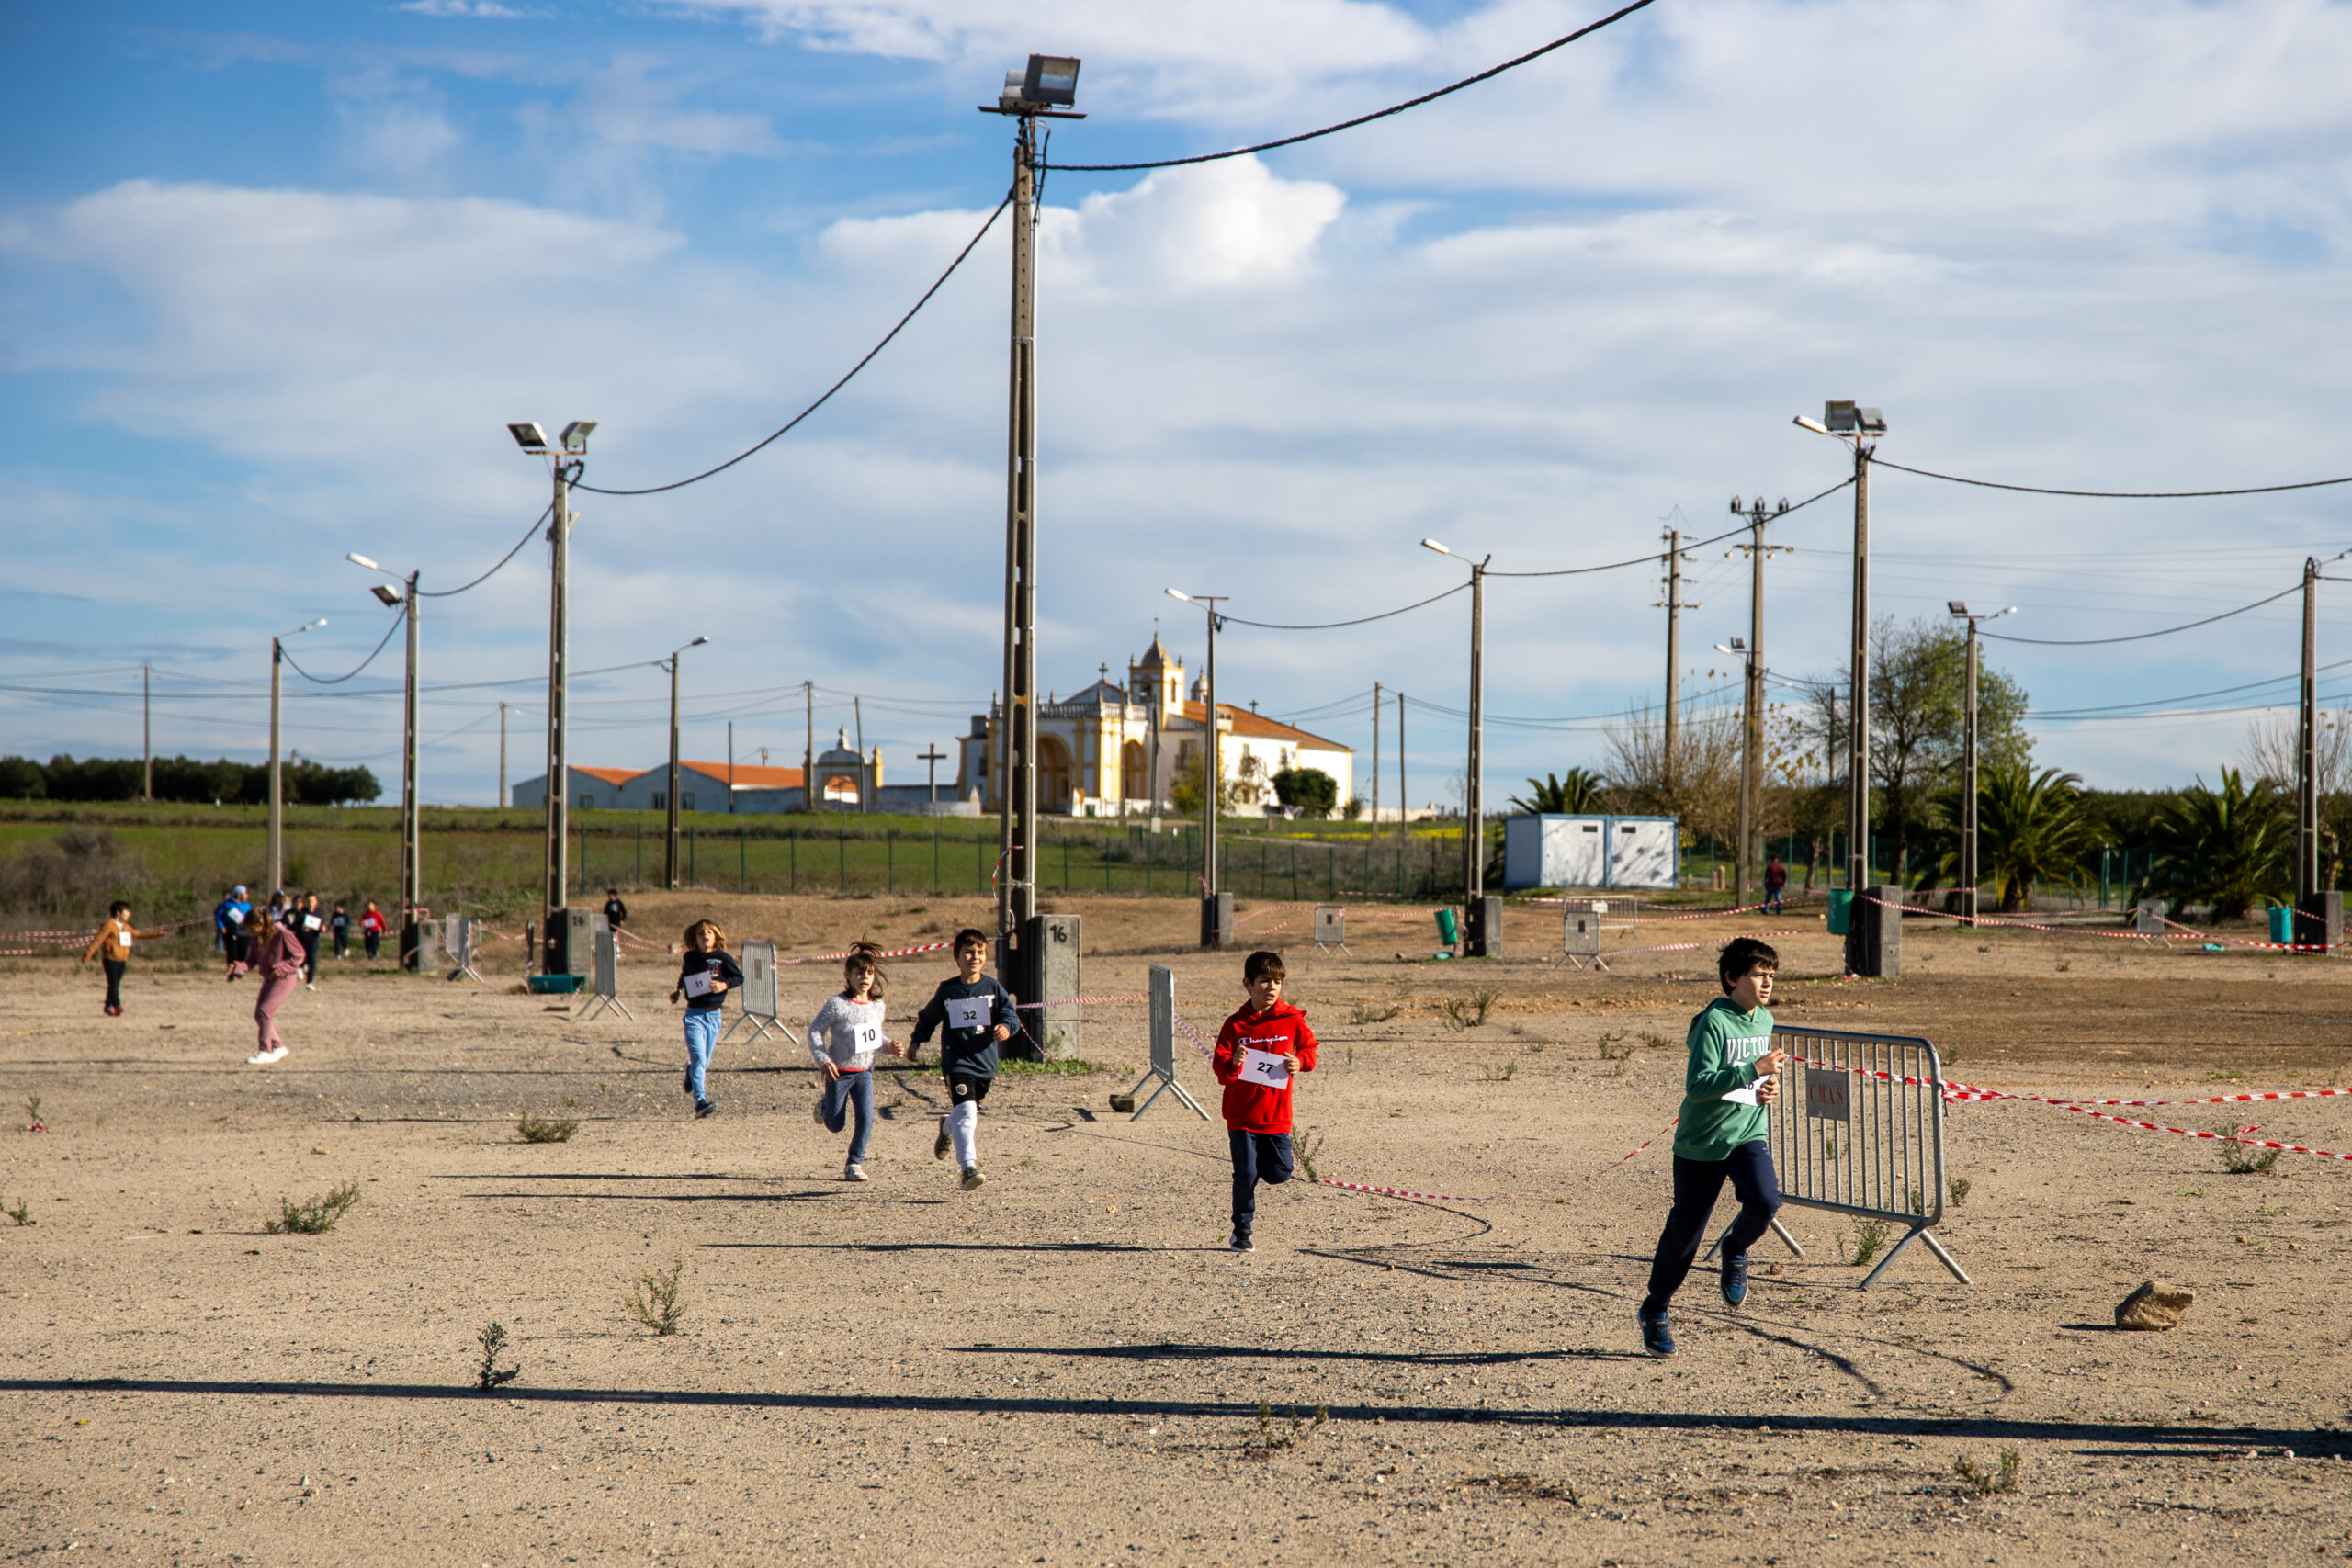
[1735, 1278]
[1657, 1338]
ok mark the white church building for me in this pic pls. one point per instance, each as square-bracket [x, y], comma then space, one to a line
[1096, 748]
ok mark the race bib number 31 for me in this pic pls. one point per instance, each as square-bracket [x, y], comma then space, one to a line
[969, 1012]
[696, 985]
[1264, 1066]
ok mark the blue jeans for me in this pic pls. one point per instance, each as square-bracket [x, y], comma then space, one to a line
[702, 1038]
[1697, 1184]
[1257, 1156]
[846, 1092]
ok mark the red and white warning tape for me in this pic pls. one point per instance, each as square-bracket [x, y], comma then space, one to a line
[1082, 1001]
[1499, 1197]
[1686, 946]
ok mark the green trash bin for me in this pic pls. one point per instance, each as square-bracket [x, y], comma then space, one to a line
[1841, 910]
[1449, 930]
[2282, 924]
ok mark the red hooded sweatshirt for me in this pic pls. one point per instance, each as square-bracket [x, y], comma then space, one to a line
[1281, 1030]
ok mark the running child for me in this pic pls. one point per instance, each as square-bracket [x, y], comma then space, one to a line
[371, 928]
[1726, 1089]
[309, 927]
[1258, 1051]
[977, 1015]
[704, 976]
[844, 1038]
[111, 948]
[339, 924]
[277, 959]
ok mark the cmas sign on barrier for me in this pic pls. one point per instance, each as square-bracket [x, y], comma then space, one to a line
[1331, 928]
[1859, 1129]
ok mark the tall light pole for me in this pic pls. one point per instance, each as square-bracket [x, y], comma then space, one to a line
[669, 857]
[1751, 759]
[1849, 421]
[276, 783]
[1970, 863]
[1212, 776]
[1674, 606]
[565, 462]
[1474, 847]
[411, 846]
[1043, 91]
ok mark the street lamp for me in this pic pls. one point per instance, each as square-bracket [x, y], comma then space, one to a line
[1848, 421]
[566, 458]
[1751, 762]
[276, 785]
[1217, 908]
[1473, 846]
[1968, 858]
[669, 861]
[411, 948]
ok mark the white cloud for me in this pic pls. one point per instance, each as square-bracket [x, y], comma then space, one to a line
[483, 8]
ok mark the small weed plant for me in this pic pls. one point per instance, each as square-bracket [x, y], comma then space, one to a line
[1457, 1014]
[21, 1214]
[534, 1129]
[1869, 1238]
[1308, 1148]
[315, 1216]
[1986, 1482]
[653, 1301]
[1482, 1003]
[1918, 1203]
[1274, 1437]
[1958, 1188]
[1503, 1074]
[490, 1375]
[2242, 1159]
[1380, 1014]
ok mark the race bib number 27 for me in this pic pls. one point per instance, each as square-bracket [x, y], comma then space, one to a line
[1264, 1066]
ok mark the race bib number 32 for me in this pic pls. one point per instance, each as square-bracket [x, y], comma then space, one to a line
[969, 1012]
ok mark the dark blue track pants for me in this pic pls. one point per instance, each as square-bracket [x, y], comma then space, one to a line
[1697, 1184]
[1257, 1156]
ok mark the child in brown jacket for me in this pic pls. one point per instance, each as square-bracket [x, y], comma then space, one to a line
[111, 948]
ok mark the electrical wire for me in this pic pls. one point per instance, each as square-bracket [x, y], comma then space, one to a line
[937, 284]
[544, 512]
[1331, 625]
[1692, 545]
[339, 679]
[1487, 74]
[2138, 636]
[2113, 495]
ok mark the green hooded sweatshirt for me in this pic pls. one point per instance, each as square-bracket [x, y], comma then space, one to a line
[1719, 1109]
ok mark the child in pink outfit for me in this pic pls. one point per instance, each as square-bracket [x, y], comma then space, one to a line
[278, 957]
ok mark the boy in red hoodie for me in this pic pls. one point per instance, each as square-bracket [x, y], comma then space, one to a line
[1258, 1051]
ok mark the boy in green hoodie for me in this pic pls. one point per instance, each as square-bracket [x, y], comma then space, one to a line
[1721, 1136]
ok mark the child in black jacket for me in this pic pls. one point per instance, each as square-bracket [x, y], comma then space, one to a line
[976, 1016]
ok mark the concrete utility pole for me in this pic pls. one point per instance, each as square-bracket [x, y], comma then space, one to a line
[1751, 761]
[864, 770]
[808, 795]
[2307, 746]
[1042, 92]
[731, 767]
[502, 756]
[1971, 865]
[567, 457]
[1212, 924]
[1404, 797]
[1674, 606]
[277, 781]
[670, 856]
[1375, 762]
[147, 733]
[411, 844]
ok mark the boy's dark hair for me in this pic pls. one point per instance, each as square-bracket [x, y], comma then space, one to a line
[967, 937]
[118, 907]
[866, 955]
[1262, 963]
[1739, 955]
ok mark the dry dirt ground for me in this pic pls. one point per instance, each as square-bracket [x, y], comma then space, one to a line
[1066, 1367]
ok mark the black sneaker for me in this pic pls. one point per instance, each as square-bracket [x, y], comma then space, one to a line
[941, 1144]
[1735, 1278]
[1657, 1338]
[706, 1108]
[686, 1080]
[1239, 1242]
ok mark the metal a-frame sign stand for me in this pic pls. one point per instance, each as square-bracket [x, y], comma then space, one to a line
[607, 967]
[761, 1003]
[1163, 1046]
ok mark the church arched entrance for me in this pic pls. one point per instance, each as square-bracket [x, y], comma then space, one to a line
[1053, 774]
[1131, 770]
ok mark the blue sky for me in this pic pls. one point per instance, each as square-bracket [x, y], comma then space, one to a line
[273, 278]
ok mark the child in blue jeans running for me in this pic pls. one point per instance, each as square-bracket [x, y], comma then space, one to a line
[704, 976]
[844, 1038]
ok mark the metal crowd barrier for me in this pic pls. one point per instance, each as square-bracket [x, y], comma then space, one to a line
[761, 1003]
[1163, 1046]
[1331, 928]
[607, 967]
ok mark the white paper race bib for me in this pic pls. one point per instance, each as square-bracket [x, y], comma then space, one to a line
[126, 941]
[1263, 1066]
[970, 1012]
[309, 922]
[869, 1038]
[1746, 1096]
[697, 984]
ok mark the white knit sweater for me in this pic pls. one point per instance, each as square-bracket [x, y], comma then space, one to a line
[846, 1033]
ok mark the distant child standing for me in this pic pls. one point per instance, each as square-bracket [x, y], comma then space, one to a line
[371, 928]
[339, 924]
[1258, 1051]
[1721, 1136]
[843, 1039]
[616, 912]
[978, 1015]
[309, 927]
[111, 948]
[277, 959]
[1776, 881]
[704, 977]
[235, 944]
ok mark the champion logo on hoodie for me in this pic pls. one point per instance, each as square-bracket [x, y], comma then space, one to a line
[1251, 1105]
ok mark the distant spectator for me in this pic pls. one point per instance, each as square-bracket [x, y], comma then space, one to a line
[616, 912]
[371, 928]
[339, 926]
[229, 925]
[1776, 877]
[309, 927]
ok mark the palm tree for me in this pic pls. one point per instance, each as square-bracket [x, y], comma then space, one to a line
[1574, 793]
[2226, 848]
[2030, 829]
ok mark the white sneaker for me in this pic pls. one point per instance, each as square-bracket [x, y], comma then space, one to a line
[265, 1058]
[853, 1172]
[310, 984]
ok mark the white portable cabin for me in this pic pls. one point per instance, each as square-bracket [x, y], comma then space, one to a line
[1591, 851]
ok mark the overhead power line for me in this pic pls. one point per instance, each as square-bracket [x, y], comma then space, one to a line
[1487, 74]
[786, 428]
[451, 592]
[339, 679]
[2138, 636]
[1658, 555]
[1333, 626]
[2113, 494]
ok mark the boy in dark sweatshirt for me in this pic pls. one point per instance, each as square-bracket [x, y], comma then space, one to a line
[977, 1015]
[1728, 1090]
[704, 975]
[1258, 1051]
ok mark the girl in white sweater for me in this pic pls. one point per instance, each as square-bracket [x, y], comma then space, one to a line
[843, 1039]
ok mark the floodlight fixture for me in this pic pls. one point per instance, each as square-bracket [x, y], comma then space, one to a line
[1047, 82]
[575, 435]
[358, 560]
[1956, 606]
[389, 595]
[1433, 545]
[1180, 593]
[1813, 424]
[530, 437]
[1737, 647]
